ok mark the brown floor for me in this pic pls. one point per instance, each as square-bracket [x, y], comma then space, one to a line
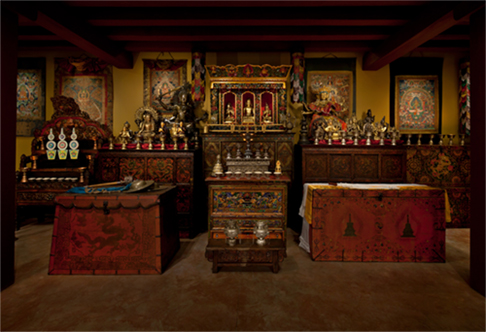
[304, 295]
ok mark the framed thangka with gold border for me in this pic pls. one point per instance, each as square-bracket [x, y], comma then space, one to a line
[161, 77]
[89, 81]
[31, 105]
[331, 92]
[417, 104]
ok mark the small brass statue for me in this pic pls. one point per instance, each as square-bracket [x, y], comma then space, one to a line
[230, 114]
[267, 114]
[146, 119]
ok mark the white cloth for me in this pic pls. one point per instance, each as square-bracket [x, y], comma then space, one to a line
[304, 234]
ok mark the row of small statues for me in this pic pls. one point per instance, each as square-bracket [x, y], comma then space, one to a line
[331, 128]
[147, 134]
[151, 125]
[248, 114]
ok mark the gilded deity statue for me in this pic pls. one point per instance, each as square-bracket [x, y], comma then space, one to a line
[248, 113]
[146, 119]
[125, 134]
[230, 114]
[267, 114]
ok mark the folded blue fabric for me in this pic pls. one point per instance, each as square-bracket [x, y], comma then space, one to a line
[87, 190]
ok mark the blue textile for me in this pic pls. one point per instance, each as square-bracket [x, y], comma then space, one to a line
[87, 190]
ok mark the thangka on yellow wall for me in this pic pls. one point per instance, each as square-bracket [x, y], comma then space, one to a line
[89, 81]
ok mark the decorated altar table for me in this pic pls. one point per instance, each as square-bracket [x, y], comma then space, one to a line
[374, 222]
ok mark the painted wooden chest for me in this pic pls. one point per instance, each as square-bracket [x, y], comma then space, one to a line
[117, 233]
[246, 201]
[376, 225]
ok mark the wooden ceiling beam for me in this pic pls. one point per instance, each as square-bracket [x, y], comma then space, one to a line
[238, 38]
[52, 16]
[242, 4]
[245, 22]
[436, 19]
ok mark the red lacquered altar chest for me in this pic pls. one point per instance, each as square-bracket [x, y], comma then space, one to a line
[376, 224]
[116, 233]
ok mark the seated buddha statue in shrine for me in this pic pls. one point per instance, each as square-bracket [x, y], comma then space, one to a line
[248, 115]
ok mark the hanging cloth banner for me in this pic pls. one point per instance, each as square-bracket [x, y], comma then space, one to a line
[198, 72]
[297, 78]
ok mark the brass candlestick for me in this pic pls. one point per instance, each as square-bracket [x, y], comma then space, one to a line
[431, 142]
[409, 139]
[451, 138]
[441, 139]
[81, 174]
[41, 139]
[419, 140]
[34, 162]
[462, 136]
[368, 138]
[24, 175]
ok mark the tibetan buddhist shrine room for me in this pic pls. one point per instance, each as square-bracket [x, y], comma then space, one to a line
[243, 165]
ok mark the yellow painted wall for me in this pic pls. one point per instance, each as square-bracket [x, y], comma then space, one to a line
[372, 88]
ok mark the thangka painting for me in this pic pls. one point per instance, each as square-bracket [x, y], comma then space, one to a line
[330, 93]
[161, 78]
[31, 103]
[417, 104]
[89, 81]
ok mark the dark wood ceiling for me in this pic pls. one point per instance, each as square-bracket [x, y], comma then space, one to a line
[113, 30]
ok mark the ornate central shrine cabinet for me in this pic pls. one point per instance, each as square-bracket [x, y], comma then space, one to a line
[249, 194]
[168, 167]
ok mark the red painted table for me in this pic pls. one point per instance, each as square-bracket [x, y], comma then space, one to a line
[116, 233]
[370, 223]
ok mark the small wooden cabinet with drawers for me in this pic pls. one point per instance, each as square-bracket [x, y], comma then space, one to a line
[247, 200]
